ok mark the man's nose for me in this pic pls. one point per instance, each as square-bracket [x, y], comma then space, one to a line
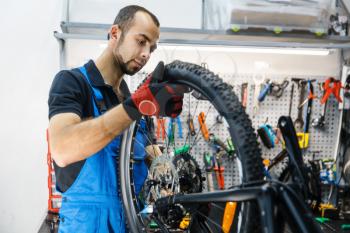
[146, 53]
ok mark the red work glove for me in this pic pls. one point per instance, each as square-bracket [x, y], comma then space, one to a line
[155, 97]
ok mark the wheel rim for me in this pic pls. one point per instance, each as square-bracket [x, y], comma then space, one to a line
[136, 221]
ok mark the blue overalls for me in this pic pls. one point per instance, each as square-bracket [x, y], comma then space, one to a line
[92, 203]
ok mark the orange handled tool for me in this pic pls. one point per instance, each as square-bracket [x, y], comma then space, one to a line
[229, 213]
[160, 127]
[191, 125]
[204, 129]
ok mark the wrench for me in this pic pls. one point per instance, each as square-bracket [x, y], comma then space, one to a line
[299, 122]
[321, 120]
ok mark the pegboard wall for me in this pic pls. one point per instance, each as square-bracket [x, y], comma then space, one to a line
[322, 142]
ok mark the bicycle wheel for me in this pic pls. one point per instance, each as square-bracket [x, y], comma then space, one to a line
[182, 167]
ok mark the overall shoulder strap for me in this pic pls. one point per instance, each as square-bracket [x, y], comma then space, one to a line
[97, 97]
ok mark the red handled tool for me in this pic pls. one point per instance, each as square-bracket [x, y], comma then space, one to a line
[244, 94]
[331, 86]
[219, 170]
[161, 127]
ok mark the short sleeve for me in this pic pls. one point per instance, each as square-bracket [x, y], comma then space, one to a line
[67, 94]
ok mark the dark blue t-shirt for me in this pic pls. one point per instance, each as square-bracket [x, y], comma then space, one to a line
[71, 93]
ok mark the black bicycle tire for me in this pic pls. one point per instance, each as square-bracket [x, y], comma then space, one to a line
[242, 133]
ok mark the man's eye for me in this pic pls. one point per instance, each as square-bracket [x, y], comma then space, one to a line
[141, 42]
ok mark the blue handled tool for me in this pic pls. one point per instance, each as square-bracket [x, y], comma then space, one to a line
[179, 126]
[265, 91]
[267, 135]
[171, 128]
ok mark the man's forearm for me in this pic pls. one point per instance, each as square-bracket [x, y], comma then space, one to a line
[77, 140]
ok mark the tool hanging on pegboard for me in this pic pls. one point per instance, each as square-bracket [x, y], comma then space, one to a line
[208, 124]
[161, 128]
[332, 86]
[277, 89]
[258, 81]
[273, 88]
[291, 100]
[172, 129]
[190, 125]
[299, 122]
[244, 94]
[320, 121]
[209, 167]
[267, 135]
[203, 126]
[303, 137]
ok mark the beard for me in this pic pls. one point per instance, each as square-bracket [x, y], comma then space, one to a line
[124, 66]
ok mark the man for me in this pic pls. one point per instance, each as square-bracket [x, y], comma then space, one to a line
[89, 107]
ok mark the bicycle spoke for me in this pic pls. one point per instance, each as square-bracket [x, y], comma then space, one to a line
[209, 219]
[173, 132]
[189, 116]
[166, 138]
[213, 126]
[201, 136]
[217, 206]
[148, 135]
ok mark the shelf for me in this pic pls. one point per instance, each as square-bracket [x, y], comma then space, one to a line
[251, 38]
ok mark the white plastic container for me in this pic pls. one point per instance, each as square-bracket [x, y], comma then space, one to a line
[282, 15]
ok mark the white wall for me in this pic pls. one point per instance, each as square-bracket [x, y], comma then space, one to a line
[180, 13]
[28, 61]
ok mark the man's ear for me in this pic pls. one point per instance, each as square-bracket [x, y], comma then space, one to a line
[114, 32]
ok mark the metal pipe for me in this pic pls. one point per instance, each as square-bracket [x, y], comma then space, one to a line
[203, 23]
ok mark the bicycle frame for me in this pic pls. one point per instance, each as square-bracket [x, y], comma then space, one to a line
[275, 200]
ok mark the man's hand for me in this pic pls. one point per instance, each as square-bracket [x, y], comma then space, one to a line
[155, 97]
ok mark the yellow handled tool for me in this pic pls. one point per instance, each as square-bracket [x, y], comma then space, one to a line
[229, 213]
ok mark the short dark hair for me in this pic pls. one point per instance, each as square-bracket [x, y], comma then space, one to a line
[126, 15]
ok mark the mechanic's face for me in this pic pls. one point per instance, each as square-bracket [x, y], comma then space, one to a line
[134, 48]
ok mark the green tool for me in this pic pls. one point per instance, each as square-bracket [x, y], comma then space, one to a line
[153, 224]
[182, 150]
[231, 148]
[171, 131]
[218, 142]
[209, 166]
[323, 221]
